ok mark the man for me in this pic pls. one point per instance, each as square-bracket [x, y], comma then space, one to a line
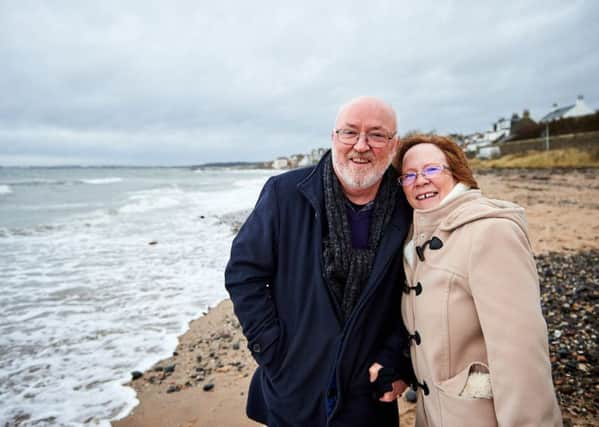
[315, 277]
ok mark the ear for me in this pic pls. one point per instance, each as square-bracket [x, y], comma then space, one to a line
[395, 143]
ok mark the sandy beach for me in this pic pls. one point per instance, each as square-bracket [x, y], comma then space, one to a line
[205, 382]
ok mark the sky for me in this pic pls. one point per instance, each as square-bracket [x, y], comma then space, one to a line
[189, 82]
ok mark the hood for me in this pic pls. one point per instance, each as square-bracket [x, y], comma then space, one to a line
[482, 208]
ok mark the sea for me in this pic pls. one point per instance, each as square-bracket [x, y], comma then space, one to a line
[101, 269]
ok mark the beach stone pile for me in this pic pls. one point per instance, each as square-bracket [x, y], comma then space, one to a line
[569, 297]
[219, 353]
[201, 359]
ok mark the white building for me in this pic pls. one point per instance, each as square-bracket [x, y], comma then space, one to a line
[502, 124]
[281, 163]
[305, 161]
[576, 110]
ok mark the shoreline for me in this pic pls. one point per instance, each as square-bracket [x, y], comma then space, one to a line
[209, 363]
[562, 213]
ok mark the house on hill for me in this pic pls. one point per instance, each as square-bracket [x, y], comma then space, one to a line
[523, 127]
[580, 108]
[486, 144]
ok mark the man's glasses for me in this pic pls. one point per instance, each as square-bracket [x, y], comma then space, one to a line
[428, 172]
[374, 138]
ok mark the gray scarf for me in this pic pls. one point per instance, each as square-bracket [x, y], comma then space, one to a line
[347, 269]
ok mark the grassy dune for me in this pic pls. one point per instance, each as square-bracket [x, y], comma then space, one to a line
[567, 158]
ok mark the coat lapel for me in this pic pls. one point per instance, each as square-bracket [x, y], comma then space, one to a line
[391, 242]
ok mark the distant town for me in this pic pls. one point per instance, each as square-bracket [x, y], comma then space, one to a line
[571, 126]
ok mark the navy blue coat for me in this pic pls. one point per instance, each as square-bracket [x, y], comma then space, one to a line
[313, 368]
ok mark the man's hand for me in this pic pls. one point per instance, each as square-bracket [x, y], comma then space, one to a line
[398, 386]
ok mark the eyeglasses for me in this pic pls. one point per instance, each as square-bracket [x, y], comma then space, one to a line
[428, 172]
[374, 138]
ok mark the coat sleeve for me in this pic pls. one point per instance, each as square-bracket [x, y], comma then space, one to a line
[250, 272]
[505, 289]
[395, 354]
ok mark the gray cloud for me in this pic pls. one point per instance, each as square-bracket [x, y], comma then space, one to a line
[190, 82]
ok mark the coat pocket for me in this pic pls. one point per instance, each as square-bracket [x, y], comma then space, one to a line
[458, 410]
[465, 412]
[275, 356]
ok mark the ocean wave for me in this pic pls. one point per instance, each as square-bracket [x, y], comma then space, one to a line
[34, 182]
[41, 181]
[58, 206]
[148, 204]
[5, 189]
[102, 180]
[74, 290]
[234, 170]
[31, 231]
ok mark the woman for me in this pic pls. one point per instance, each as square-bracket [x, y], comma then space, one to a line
[471, 299]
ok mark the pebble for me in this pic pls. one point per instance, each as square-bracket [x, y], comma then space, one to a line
[208, 386]
[173, 388]
[569, 298]
[136, 375]
[411, 396]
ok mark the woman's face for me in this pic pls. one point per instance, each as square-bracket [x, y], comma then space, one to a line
[426, 192]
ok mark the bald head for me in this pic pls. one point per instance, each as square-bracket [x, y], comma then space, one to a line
[360, 156]
[371, 107]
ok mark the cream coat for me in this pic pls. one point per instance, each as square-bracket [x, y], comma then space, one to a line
[477, 310]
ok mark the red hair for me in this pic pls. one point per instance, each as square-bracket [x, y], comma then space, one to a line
[456, 159]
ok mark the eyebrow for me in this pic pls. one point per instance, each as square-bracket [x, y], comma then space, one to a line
[423, 167]
[351, 125]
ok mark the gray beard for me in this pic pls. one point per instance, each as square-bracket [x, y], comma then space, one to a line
[358, 183]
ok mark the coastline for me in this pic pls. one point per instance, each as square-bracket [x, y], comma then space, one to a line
[211, 352]
[562, 212]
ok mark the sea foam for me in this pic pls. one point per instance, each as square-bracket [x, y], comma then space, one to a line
[89, 301]
[102, 180]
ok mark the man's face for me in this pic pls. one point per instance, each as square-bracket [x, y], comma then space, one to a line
[361, 166]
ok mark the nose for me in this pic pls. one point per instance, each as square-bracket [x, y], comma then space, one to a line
[361, 145]
[421, 179]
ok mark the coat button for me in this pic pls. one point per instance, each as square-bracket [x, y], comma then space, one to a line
[416, 337]
[256, 348]
[423, 386]
[418, 288]
[425, 389]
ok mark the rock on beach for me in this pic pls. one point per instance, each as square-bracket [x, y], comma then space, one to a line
[569, 298]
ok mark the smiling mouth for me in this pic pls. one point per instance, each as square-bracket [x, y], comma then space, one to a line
[360, 160]
[426, 195]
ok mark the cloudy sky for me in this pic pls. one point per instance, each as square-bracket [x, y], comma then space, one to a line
[188, 82]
